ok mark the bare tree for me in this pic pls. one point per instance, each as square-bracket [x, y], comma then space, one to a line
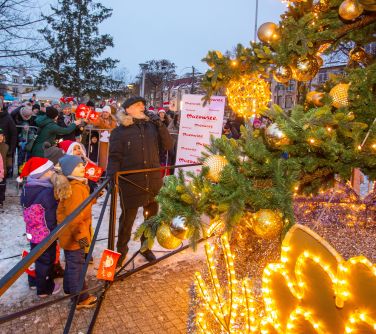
[19, 20]
[158, 72]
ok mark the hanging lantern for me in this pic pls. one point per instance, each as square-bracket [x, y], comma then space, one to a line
[305, 68]
[268, 32]
[166, 239]
[282, 74]
[320, 6]
[215, 163]
[275, 137]
[267, 223]
[178, 228]
[247, 94]
[350, 9]
[340, 95]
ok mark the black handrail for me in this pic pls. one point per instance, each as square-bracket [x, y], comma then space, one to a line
[12, 275]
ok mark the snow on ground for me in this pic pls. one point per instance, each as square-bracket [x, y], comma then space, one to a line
[13, 242]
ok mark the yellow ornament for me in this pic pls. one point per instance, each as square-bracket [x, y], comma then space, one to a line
[215, 163]
[323, 48]
[309, 96]
[320, 6]
[275, 137]
[166, 239]
[282, 74]
[268, 32]
[316, 99]
[267, 223]
[350, 9]
[358, 55]
[247, 94]
[340, 95]
[305, 68]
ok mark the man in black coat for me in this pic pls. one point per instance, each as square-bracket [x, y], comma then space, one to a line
[134, 144]
[10, 132]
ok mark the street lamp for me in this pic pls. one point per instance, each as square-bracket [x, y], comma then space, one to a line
[142, 88]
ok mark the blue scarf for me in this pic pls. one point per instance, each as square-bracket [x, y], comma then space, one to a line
[32, 181]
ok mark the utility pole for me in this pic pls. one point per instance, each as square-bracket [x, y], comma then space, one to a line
[142, 88]
[256, 17]
[193, 80]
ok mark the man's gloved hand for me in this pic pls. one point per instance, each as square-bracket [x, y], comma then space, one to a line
[84, 242]
[154, 118]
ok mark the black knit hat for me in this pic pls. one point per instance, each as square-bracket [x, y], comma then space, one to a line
[1, 131]
[133, 100]
[52, 153]
[90, 103]
[51, 112]
[36, 106]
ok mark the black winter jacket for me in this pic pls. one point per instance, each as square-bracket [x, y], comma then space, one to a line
[134, 144]
[10, 130]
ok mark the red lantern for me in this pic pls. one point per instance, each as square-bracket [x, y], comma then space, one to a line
[82, 111]
[93, 172]
[107, 266]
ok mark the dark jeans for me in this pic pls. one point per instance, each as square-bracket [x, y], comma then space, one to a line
[44, 271]
[126, 222]
[3, 187]
[74, 262]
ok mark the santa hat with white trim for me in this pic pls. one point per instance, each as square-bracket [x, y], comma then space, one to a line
[35, 167]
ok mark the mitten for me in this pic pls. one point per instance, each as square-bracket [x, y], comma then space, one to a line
[84, 242]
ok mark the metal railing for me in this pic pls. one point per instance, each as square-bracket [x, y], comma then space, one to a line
[112, 189]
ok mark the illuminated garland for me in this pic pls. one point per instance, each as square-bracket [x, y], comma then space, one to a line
[292, 291]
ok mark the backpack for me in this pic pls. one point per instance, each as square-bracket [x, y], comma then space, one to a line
[36, 226]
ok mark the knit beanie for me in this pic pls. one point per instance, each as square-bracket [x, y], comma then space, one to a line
[90, 104]
[51, 112]
[35, 167]
[26, 113]
[107, 109]
[72, 146]
[36, 106]
[68, 163]
[64, 145]
[133, 100]
[66, 106]
[52, 153]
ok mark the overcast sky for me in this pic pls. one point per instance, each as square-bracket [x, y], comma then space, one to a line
[181, 31]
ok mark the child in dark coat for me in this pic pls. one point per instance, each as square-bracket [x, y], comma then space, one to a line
[39, 213]
[3, 168]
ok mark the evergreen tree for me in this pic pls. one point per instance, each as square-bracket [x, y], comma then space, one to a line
[323, 141]
[73, 65]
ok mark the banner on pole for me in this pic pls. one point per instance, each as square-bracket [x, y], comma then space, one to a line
[197, 124]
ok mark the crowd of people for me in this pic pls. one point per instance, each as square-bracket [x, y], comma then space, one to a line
[52, 148]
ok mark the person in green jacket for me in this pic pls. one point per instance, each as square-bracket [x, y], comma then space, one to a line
[48, 130]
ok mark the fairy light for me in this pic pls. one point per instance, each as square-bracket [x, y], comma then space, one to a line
[237, 312]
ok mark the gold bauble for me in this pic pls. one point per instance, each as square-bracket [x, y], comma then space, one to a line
[247, 94]
[309, 96]
[350, 9]
[166, 239]
[282, 74]
[275, 137]
[215, 163]
[340, 95]
[178, 228]
[358, 55]
[267, 223]
[317, 99]
[268, 32]
[320, 6]
[305, 68]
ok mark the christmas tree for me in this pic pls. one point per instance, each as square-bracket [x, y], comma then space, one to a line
[252, 181]
[73, 65]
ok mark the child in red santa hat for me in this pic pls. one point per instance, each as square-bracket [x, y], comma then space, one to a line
[39, 211]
